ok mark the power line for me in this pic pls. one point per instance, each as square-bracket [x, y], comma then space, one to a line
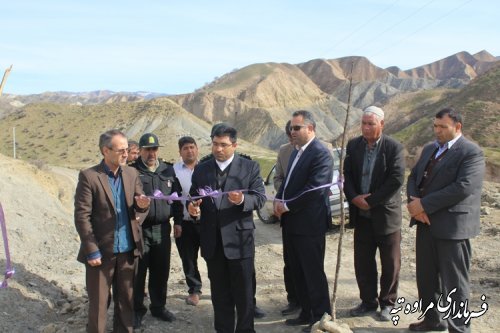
[392, 26]
[366, 22]
[420, 29]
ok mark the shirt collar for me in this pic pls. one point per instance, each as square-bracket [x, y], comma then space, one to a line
[184, 165]
[223, 165]
[306, 145]
[447, 144]
[108, 171]
[376, 142]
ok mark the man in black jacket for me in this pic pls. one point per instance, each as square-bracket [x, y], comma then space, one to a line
[227, 229]
[155, 174]
[374, 173]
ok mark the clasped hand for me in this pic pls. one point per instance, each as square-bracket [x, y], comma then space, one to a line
[416, 210]
[194, 208]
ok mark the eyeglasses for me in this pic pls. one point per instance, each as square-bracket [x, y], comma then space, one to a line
[150, 148]
[120, 151]
[296, 127]
[222, 145]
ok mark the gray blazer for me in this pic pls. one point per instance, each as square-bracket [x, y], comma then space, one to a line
[282, 160]
[453, 199]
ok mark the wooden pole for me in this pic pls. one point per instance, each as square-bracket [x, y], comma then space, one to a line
[342, 212]
[4, 79]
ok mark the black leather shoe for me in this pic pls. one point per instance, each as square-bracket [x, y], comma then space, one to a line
[425, 326]
[307, 329]
[385, 313]
[362, 309]
[297, 321]
[292, 307]
[165, 315]
[138, 319]
[333, 228]
[258, 312]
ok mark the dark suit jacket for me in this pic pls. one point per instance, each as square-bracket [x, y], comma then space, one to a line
[309, 214]
[95, 216]
[453, 196]
[385, 187]
[235, 221]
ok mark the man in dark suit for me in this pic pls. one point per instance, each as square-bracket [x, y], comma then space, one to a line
[227, 229]
[374, 173]
[444, 195]
[109, 203]
[305, 217]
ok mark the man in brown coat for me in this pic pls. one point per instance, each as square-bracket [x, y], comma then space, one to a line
[109, 204]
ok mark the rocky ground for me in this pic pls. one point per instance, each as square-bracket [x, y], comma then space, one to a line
[47, 292]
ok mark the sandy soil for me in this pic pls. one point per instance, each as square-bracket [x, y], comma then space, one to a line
[47, 293]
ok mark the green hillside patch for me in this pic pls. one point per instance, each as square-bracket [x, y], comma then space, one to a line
[417, 134]
[266, 164]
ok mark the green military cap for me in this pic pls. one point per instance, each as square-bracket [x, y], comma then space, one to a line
[149, 140]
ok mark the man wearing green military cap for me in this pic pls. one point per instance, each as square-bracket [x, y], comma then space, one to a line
[155, 174]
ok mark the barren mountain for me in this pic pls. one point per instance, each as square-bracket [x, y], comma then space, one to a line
[479, 104]
[265, 95]
[10, 103]
[462, 66]
[484, 56]
[271, 91]
[68, 135]
[257, 99]
[329, 74]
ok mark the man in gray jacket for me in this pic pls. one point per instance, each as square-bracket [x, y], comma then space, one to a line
[444, 195]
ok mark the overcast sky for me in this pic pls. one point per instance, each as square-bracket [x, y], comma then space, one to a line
[177, 46]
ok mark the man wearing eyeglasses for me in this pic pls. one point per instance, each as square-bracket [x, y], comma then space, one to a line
[109, 205]
[155, 174]
[227, 229]
[305, 218]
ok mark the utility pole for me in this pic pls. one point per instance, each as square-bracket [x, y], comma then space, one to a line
[14, 142]
[2, 84]
[4, 79]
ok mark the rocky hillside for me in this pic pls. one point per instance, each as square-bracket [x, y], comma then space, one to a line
[461, 66]
[479, 103]
[10, 103]
[67, 135]
[257, 100]
[272, 90]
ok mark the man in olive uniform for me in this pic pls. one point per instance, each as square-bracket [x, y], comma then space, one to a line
[155, 174]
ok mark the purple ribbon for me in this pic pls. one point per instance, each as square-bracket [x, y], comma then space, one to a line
[339, 183]
[9, 271]
[203, 193]
[208, 192]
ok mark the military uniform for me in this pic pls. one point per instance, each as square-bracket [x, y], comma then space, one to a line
[156, 232]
